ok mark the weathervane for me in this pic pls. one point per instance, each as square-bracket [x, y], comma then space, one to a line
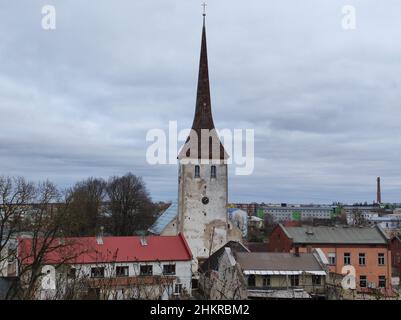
[204, 5]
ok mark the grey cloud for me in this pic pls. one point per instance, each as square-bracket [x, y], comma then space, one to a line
[324, 103]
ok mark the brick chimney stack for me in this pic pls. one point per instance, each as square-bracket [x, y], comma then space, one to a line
[379, 195]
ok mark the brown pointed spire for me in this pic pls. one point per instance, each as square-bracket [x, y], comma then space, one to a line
[203, 113]
[203, 118]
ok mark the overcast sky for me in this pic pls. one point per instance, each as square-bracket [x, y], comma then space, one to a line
[325, 103]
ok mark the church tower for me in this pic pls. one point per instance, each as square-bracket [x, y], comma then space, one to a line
[202, 187]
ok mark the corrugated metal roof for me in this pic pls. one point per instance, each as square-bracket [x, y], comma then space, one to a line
[165, 218]
[348, 235]
[277, 272]
[110, 250]
[278, 262]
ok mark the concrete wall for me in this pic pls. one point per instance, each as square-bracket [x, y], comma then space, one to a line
[170, 229]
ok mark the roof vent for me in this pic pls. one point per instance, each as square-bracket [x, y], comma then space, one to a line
[309, 231]
[144, 242]
[99, 238]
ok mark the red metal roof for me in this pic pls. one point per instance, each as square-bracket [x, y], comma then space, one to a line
[114, 249]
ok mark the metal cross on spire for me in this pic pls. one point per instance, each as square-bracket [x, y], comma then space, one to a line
[204, 5]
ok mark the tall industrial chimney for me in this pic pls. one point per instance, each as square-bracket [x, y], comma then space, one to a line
[379, 194]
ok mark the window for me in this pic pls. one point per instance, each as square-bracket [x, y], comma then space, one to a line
[316, 280]
[11, 255]
[169, 269]
[72, 273]
[382, 281]
[362, 259]
[213, 172]
[251, 280]
[347, 258]
[197, 171]
[332, 258]
[195, 283]
[362, 281]
[178, 288]
[380, 258]
[145, 270]
[294, 280]
[122, 271]
[266, 281]
[97, 272]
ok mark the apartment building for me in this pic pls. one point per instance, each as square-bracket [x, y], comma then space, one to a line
[364, 248]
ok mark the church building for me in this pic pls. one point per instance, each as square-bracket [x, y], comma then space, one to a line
[201, 212]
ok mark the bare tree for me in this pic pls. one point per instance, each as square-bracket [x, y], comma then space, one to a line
[358, 217]
[130, 205]
[16, 194]
[37, 234]
[86, 204]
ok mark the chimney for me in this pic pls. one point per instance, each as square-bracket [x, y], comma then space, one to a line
[144, 242]
[379, 194]
[61, 240]
[99, 238]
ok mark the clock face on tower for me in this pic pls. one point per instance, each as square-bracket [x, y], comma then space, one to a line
[205, 200]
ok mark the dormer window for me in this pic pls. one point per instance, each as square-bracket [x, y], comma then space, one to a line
[197, 172]
[213, 172]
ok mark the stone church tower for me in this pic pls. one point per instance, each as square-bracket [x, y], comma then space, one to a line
[200, 212]
[202, 187]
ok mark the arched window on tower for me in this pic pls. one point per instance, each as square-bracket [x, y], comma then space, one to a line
[197, 171]
[213, 172]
